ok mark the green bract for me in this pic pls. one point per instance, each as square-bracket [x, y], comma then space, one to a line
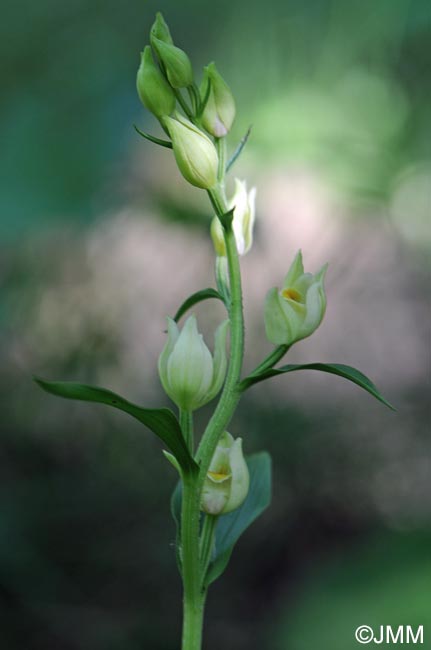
[243, 203]
[154, 91]
[219, 112]
[175, 62]
[194, 152]
[295, 311]
[227, 481]
[189, 374]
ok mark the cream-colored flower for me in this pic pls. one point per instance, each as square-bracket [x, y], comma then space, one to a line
[244, 214]
[190, 375]
[227, 482]
[293, 312]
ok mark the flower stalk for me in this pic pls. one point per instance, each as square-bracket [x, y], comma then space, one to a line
[194, 598]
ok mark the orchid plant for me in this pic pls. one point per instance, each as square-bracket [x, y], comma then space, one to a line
[220, 492]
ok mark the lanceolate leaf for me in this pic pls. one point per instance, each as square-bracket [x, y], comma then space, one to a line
[152, 138]
[195, 298]
[161, 421]
[347, 372]
[230, 527]
[238, 150]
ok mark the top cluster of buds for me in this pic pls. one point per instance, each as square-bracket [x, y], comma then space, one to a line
[166, 71]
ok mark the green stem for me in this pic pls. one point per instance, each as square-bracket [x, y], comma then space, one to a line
[193, 596]
[186, 423]
[230, 395]
[193, 624]
[194, 593]
[220, 144]
[270, 361]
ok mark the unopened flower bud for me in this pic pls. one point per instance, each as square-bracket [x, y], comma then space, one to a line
[243, 203]
[227, 482]
[194, 152]
[218, 237]
[160, 30]
[293, 312]
[154, 91]
[219, 111]
[175, 61]
[190, 375]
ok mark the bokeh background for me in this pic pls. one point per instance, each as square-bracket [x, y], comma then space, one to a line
[101, 239]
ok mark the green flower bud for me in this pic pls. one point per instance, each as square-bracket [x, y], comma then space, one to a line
[160, 30]
[243, 203]
[227, 482]
[154, 91]
[176, 63]
[194, 152]
[219, 111]
[295, 311]
[189, 374]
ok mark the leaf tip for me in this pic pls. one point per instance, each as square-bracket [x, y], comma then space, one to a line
[389, 405]
[39, 381]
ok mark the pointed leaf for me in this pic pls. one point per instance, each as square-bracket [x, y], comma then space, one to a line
[161, 421]
[226, 219]
[347, 372]
[236, 154]
[152, 138]
[195, 298]
[230, 527]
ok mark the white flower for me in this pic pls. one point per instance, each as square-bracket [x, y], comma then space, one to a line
[293, 312]
[188, 372]
[243, 203]
[227, 481]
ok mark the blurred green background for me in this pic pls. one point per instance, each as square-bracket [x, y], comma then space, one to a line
[101, 239]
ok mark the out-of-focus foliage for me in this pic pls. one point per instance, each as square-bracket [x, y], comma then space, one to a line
[383, 582]
[341, 85]
[101, 239]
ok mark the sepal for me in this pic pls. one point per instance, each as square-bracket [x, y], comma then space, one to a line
[175, 62]
[218, 112]
[160, 30]
[195, 154]
[153, 90]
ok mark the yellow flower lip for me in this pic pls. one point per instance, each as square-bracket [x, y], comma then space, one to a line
[292, 294]
[218, 477]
